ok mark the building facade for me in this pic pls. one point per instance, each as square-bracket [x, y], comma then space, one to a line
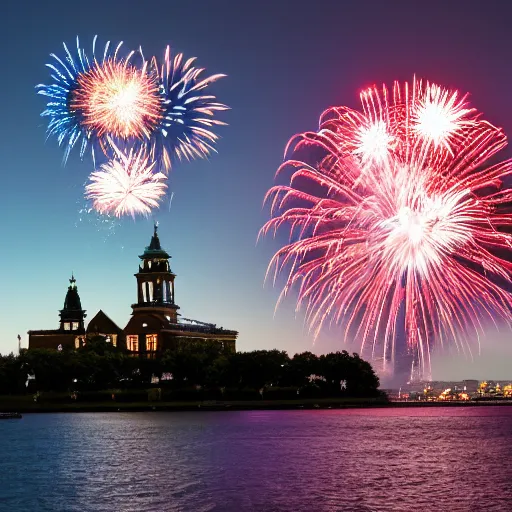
[155, 325]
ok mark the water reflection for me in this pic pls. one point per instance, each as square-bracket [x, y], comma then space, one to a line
[435, 459]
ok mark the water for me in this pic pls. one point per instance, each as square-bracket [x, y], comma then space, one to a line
[432, 459]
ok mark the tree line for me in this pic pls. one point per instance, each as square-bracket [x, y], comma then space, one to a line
[193, 371]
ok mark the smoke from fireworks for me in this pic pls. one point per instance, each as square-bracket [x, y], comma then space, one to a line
[126, 185]
[398, 228]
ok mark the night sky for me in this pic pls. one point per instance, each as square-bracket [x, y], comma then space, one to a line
[286, 62]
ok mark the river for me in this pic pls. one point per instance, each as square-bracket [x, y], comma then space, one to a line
[432, 459]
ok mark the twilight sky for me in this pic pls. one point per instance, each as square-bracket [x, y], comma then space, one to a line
[286, 62]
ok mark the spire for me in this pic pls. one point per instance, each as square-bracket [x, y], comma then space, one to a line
[155, 241]
[154, 249]
[72, 315]
[72, 300]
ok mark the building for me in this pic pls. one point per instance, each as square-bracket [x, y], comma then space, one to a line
[71, 331]
[155, 325]
[102, 325]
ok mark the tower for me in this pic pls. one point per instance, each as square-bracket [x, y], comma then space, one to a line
[70, 333]
[72, 315]
[154, 326]
[155, 310]
[155, 281]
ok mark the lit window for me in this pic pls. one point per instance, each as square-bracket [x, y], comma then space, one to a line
[168, 318]
[132, 343]
[150, 290]
[144, 325]
[144, 294]
[149, 264]
[75, 326]
[67, 326]
[114, 340]
[77, 342]
[151, 342]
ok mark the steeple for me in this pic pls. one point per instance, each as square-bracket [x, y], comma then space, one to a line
[72, 315]
[155, 281]
[154, 249]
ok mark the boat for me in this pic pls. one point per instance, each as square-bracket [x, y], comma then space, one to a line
[10, 415]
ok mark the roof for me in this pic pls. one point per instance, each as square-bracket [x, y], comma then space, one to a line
[157, 321]
[102, 323]
[72, 301]
[154, 249]
[60, 332]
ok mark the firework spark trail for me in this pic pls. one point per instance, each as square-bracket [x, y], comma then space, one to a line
[185, 128]
[126, 185]
[402, 231]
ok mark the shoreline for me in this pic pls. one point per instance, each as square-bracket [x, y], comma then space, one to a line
[323, 404]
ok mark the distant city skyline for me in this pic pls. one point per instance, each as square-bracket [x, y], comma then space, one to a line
[286, 63]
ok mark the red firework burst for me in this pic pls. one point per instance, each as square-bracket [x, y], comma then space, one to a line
[118, 99]
[401, 231]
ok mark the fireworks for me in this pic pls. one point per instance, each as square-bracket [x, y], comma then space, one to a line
[117, 99]
[154, 111]
[398, 229]
[126, 185]
[66, 121]
[188, 114]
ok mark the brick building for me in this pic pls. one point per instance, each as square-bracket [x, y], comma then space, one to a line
[155, 325]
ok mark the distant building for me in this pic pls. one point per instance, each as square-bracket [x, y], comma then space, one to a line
[155, 325]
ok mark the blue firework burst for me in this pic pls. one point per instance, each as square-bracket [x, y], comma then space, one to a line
[185, 129]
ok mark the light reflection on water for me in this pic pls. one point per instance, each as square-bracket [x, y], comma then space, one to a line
[433, 459]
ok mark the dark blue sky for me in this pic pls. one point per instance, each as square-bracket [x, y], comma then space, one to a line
[286, 62]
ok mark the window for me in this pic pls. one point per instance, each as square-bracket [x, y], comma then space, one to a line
[77, 342]
[67, 326]
[74, 326]
[150, 291]
[114, 340]
[144, 293]
[132, 343]
[151, 342]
